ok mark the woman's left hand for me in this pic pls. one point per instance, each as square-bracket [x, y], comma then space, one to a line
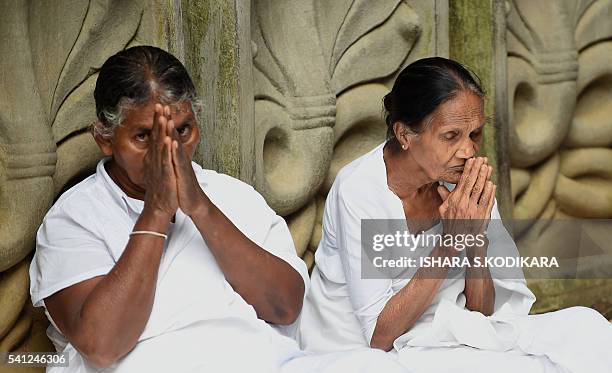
[191, 198]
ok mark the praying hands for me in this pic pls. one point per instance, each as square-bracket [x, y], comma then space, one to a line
[170, 180]
[467, 209]
[172, 183]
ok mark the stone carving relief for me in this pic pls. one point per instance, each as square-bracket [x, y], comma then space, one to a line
[560, 92]
[560, 101]
[321, 69]
[51, 50]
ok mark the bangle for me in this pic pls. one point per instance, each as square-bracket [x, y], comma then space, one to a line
[156, 234]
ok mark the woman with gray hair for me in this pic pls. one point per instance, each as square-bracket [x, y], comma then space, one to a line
[154, 264]
[427, 192]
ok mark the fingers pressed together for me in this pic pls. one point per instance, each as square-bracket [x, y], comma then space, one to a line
[166, 136]
[474, 195]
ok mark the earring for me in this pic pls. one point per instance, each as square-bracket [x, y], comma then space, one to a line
[403, 147]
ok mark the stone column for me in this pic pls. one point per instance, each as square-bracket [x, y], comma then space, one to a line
[217, 53]
[477, 34]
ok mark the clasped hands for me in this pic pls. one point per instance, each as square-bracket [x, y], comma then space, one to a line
[169, 177]
[467, 209]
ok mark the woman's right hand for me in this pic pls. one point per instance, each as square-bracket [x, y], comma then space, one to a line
[467, 209]
[161, 194]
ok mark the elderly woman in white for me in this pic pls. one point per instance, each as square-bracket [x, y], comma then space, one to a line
[154, 264]
[434, 320]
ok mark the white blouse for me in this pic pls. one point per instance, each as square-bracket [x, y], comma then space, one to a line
[85, 232]
[338, 289]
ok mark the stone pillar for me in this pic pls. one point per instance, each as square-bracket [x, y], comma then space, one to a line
[477, 34]
[217, 53]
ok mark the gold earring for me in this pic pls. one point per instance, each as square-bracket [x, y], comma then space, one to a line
[403, 147]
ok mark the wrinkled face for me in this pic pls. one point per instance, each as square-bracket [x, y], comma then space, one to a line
[130, 142]
[452, 137]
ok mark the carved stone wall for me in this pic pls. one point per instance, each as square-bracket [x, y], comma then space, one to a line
[312, 104]
[319, 80]
[560, 100]
[49, 52]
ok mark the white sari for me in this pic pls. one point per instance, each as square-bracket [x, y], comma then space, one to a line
[342, 307]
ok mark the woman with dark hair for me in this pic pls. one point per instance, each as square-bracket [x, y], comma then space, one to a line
[154, 264]
[438, 310]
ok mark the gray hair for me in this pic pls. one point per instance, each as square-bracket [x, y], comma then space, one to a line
[114, 117]
[133, 77]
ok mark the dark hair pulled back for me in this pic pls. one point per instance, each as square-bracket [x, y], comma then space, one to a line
[422, 87]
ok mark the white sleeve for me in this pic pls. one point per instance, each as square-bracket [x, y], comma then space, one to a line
[512, 296]
[368, 296]
[251, 214]
[279, 242]
[68, 251]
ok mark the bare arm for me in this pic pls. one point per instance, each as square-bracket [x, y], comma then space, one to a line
[404, 308]
[468, 210]
[479, 290]
[104, 316]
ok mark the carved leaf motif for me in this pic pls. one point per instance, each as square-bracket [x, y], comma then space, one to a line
[267, 75]
[288, 52]
[53, 28]
[354, 42]
[593, 22]
[545, 68]
[584, 187]
[342, 24]
[77, 111]
[542, 68]
[309, 55]
[378, 53]
[592, 124]
[525, 21]
[107, 28]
